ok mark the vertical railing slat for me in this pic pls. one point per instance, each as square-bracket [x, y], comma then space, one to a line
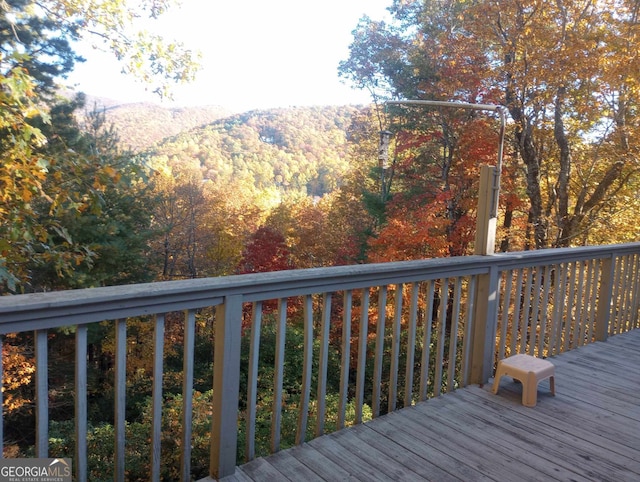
[586, 294]
[252, 381]
[594, 298]
[411, 345]
[556, 316]
[442, 333]
[1, 397]
[362, 353]
[42, 395]
[615, 318]
[627, 296]
[323, 362]
[81, 403]
[624, 262]
[377, 367]
[120, 399]
[528, 324]
[577, 318]
[156, 396]
[562, 300]
[467, 342]
[307, 366]
[504, 325]
[276, 411]
[568, 305]
[636, 295]
[395, 349]
[520, 328]
[453, 335]
[187, 393]
[426, 342]
[346, 357]
[544, 312]
[535, 314]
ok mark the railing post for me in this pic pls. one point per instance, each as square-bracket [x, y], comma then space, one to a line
[486, 220]
[483, 330]
[603, 313]
[226, 386]
[484, 326]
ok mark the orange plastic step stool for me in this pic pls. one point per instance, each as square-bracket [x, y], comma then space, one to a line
[530, 371]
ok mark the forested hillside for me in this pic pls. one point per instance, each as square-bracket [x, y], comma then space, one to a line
[301, 149]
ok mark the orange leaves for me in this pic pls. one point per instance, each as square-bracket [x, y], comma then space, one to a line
[412, 234]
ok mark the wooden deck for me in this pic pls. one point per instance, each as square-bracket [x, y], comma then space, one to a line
[589, 431]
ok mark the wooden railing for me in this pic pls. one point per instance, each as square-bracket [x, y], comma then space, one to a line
[368, 339]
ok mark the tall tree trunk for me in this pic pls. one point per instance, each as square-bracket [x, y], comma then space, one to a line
[562, 186]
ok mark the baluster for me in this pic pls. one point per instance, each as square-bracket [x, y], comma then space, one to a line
[252, 382]
[593, 307]
[346, 358]
[276, 414]
[426, 342]
[81, 403]
[120, 398]
[571, 280]
[578, 331]
[535, 315]
[453, 335]
[187, 393]
[323, 362]
[377, 368]
[520, 328]
[395, 349]
[1, 399]
[307, 367]
[544, 312]
[442, 333]
[504, 326]
[527, 319]
[411, 345]
[362, 354]
[467, 343]
[42, 395]
[156, 396]
[556, 316]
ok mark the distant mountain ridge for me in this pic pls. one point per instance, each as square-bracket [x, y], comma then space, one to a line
[141, 125]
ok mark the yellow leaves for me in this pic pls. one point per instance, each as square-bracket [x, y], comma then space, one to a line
[18, 373]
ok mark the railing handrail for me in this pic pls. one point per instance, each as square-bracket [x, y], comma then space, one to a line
[36, 311]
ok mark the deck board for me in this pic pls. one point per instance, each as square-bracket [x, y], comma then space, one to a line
[589, 431]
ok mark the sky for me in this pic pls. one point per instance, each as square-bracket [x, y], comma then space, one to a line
[256, 54]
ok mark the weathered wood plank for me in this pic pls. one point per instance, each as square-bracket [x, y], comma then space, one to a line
[548, 450]
[261, 469]
[537, 453]
[292, 468]
[411, 439]
[554, 420]
[588, 431]
[318, 463]
[361, 441]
